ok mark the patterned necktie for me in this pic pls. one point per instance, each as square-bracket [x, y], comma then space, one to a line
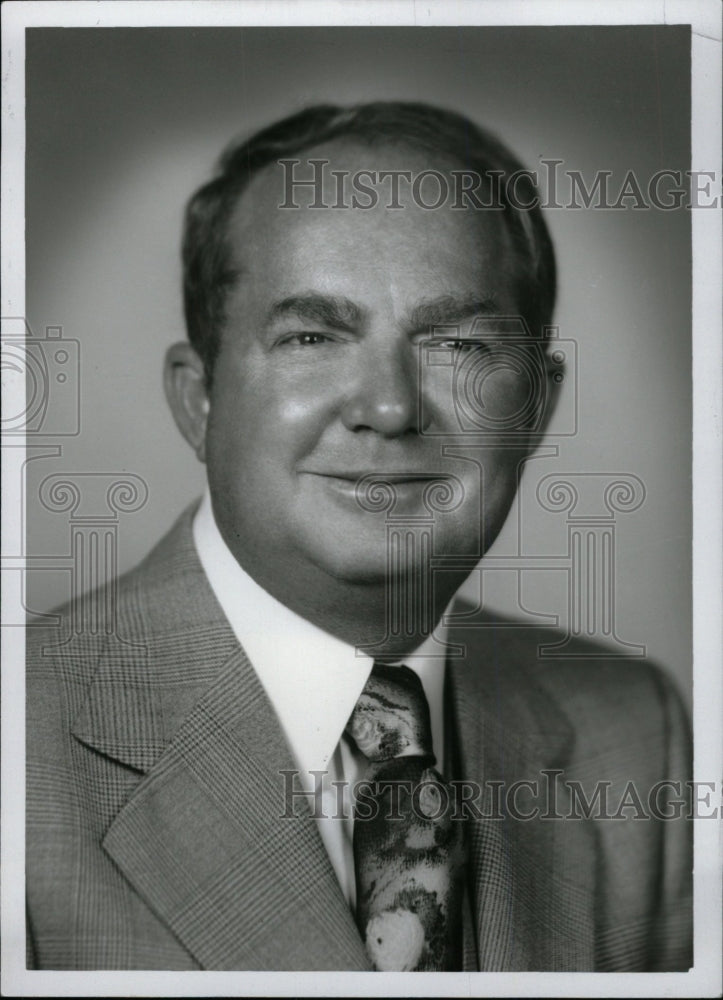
[408, 851]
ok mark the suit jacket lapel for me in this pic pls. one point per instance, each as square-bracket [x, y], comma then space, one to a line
[202, 837]
[204, 841]
[531, 881]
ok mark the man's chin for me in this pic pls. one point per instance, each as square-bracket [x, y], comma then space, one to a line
[355, 565]
[400, 561]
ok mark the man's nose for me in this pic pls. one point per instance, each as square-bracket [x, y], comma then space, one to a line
[386, 393]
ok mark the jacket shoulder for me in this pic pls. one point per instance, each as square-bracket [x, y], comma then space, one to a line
[606, 700]
[86, 622]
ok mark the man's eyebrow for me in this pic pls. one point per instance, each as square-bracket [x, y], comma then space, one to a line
[448, 309]
[329, 310]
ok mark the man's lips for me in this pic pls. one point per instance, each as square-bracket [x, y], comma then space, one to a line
[382, 477]
[375, 491]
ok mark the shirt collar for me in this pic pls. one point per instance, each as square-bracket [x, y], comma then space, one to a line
[312, 679]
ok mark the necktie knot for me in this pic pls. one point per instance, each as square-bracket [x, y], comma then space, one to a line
[391, 717]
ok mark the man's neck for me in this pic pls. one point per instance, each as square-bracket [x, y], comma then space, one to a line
[388, 616]
[379, 615]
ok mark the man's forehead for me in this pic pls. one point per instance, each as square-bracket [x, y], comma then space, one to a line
[342, 166]
[330, 209]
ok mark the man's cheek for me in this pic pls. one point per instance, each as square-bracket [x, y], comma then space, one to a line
[297, 412]
[301, 419]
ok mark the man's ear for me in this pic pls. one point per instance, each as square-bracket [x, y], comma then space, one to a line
[554, 378]
[185, 385]
[549, 387]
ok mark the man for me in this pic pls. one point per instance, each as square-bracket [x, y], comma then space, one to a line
[197, 771]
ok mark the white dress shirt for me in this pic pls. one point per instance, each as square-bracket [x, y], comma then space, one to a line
[313, 681]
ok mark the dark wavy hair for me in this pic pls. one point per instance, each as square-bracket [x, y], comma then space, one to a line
[207, 275]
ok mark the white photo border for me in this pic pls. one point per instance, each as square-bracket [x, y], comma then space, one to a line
[704, 18]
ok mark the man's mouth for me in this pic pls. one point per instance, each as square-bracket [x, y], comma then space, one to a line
[368, 475]
[372, 490]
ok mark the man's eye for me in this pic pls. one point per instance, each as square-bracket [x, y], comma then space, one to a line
[464, 345]
[306, 338]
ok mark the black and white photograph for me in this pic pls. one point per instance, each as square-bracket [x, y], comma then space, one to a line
[361, 499]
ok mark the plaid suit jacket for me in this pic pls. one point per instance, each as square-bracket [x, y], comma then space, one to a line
[154, 800]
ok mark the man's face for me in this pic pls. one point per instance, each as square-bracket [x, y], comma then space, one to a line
[317, 383]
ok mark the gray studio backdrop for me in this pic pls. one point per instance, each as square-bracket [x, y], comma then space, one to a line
[123, 123]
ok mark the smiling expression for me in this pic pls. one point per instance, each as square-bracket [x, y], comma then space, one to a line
[318, 380]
